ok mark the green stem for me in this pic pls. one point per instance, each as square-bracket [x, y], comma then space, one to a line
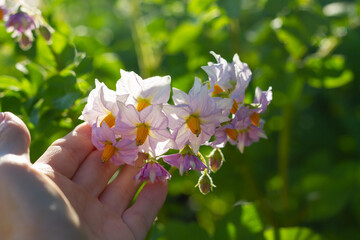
[147, 60]
[257, 194]
[56, 57]
[283, 158]
[277, 233]
[235, 34]
[294, 94]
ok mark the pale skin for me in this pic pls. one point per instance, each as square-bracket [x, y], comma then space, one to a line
[66, 194]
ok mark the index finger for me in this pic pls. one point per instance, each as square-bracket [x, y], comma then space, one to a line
[66, 154]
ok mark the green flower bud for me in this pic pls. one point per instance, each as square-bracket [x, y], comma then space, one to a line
[205, 183]
[45, 32]
[216, 159]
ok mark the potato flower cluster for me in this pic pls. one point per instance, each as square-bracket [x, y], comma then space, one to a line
[137, 117]
[23, 19]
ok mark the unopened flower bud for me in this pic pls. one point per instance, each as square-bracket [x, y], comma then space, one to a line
[45, 32]
[205, 183]
[24, 42]
[216, 159]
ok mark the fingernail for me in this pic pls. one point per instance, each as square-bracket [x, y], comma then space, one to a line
[2, 116]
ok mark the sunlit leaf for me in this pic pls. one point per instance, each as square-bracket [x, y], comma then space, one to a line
[184, 35]
[292, 44]
[8, 82]
[293, 233]
[250, 218]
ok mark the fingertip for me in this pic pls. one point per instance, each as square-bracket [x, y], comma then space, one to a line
[158, 185]
[147, 205]
[83, 129]
[15, 136]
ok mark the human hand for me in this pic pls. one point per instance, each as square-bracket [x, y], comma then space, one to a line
[65, 194]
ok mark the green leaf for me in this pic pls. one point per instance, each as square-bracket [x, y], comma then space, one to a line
[61, 91]
[328, 72]
[327, 194]
[184, 35]
[8, 82]
[251, 219]
[44, 56]
[232, 7]
[242, 222]
[293, 233]
[197, 7]
[66, 101]
[178, 230]
[292, 44]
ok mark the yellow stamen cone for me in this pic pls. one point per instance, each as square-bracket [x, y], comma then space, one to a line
[108, 152]
[217, 90]
[232, 133]
[255, 118]
[143, 103]
[194, 124]
[109, 119]
[141, 134]
[234, 107]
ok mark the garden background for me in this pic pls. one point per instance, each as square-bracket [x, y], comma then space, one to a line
[301, 183]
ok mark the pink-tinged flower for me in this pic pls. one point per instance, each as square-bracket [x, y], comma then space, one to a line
[194, 116]
[114, 148]
[228, 80]
[149, 128]
[185, 160]
[101, 105]
[21, 25]
[22, 18]
[262, 99]
[152, 171]
[241, 131]
[143, 93]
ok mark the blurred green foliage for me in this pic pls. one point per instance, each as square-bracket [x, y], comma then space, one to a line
[301, 183]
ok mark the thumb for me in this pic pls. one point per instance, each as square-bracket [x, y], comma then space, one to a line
[14, 138]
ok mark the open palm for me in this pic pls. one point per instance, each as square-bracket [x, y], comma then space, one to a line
[102, 210]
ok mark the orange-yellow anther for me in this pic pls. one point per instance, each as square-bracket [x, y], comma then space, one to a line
[235, 107]
[108, 152]
[109, 119]
[143, 103]
[255, 118]
[141, 134]
[232, 133]
[1, 14]
[194, 124]
[217, 90]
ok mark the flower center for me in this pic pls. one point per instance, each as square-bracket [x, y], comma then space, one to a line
[186, 150]
[141, 134]
[108, 152]
[255, 118]
[217, 90]
[234, 107]
[109, 119]
[142, 103]
[1, 14]
[193, 123]
[232, 133]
